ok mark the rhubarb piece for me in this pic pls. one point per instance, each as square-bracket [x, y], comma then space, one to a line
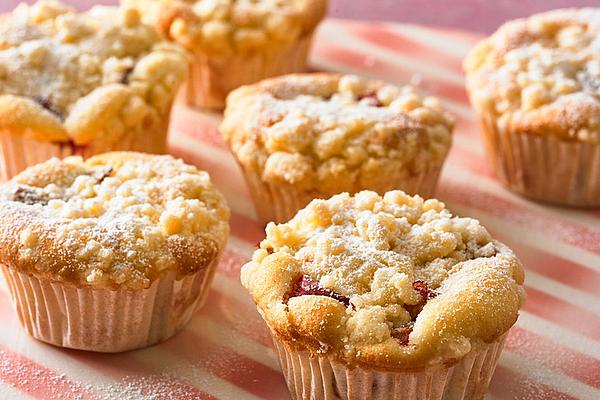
[46, 103]
[425, 293]
[28, 196]
[371, 99]
[401, 334]
[102, 174]
[305, 285]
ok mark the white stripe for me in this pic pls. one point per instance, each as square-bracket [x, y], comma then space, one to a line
[435, 38]
[531, 238]
[240, 344]
[159, 360]
[466, 143]
[564, 336]
[564, 292]
[234, 289]
[51, 357]
[192, 374]
[548, 377]
[241, 247]
[8, 392]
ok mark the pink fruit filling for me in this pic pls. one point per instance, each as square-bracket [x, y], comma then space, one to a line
[305, 285]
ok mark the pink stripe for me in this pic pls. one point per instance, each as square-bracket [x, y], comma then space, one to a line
[226, 364]
[522, 385]
[188, 123]
[554, 356]
[35, 379]
[235, 316]
[111, 365]
[378, 36]
[553, 267]
[562, 313]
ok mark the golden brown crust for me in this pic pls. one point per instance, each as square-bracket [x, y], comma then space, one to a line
[24, 116]
[221, 28]
[331, 133]
[118, 219]
[541, 75]
[372, 251]
[74, 67]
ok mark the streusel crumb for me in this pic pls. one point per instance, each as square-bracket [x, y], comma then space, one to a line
[74, 77]
[334, 133]
[224, 27]
[384, 280]
[119, 219]
[541, 74]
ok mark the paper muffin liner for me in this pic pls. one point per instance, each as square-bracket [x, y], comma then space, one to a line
[211, 79]
[18, 152]
[544, 168]
[105, 320]
[323, 378]
[279, 202]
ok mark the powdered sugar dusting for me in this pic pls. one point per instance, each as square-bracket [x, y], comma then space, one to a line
[116, 226]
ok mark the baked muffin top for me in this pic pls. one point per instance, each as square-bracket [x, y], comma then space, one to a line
[225, 27]
[115, 220]
[331, 131]
[389, 282]
[77, 77]
[541, 75]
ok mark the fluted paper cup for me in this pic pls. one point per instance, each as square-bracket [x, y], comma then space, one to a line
[106, 320]
[544, 168]
[323, 378]
[18, 152]
[279, 202]
[212, 78]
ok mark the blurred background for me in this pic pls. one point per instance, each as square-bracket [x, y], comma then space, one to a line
[476, 15]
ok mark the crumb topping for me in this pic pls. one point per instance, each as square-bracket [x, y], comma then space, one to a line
[225, 27]
[327, 131]
[116, 219]
[384, 273]
[550, 61]
[66, 65]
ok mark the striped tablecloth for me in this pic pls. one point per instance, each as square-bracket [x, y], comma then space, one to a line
[552, 353]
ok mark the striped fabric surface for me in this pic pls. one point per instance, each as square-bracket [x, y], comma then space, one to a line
[552, 353]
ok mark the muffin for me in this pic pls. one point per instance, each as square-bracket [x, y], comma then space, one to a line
[535, 85]
[371, 297]
[235, 43]
[82, 84]
[300, 137]
[110, 254]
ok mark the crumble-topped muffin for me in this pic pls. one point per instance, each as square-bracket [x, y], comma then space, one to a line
[117, 224]
[393, 283]
[236, 42]
[535, 83]
[83, 83]
[322, 134]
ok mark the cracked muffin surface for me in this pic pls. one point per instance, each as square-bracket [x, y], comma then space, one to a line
[389, 282]
[333, 133]
[541, 75]
[116, 220]
[223, 27]
[69, 77]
